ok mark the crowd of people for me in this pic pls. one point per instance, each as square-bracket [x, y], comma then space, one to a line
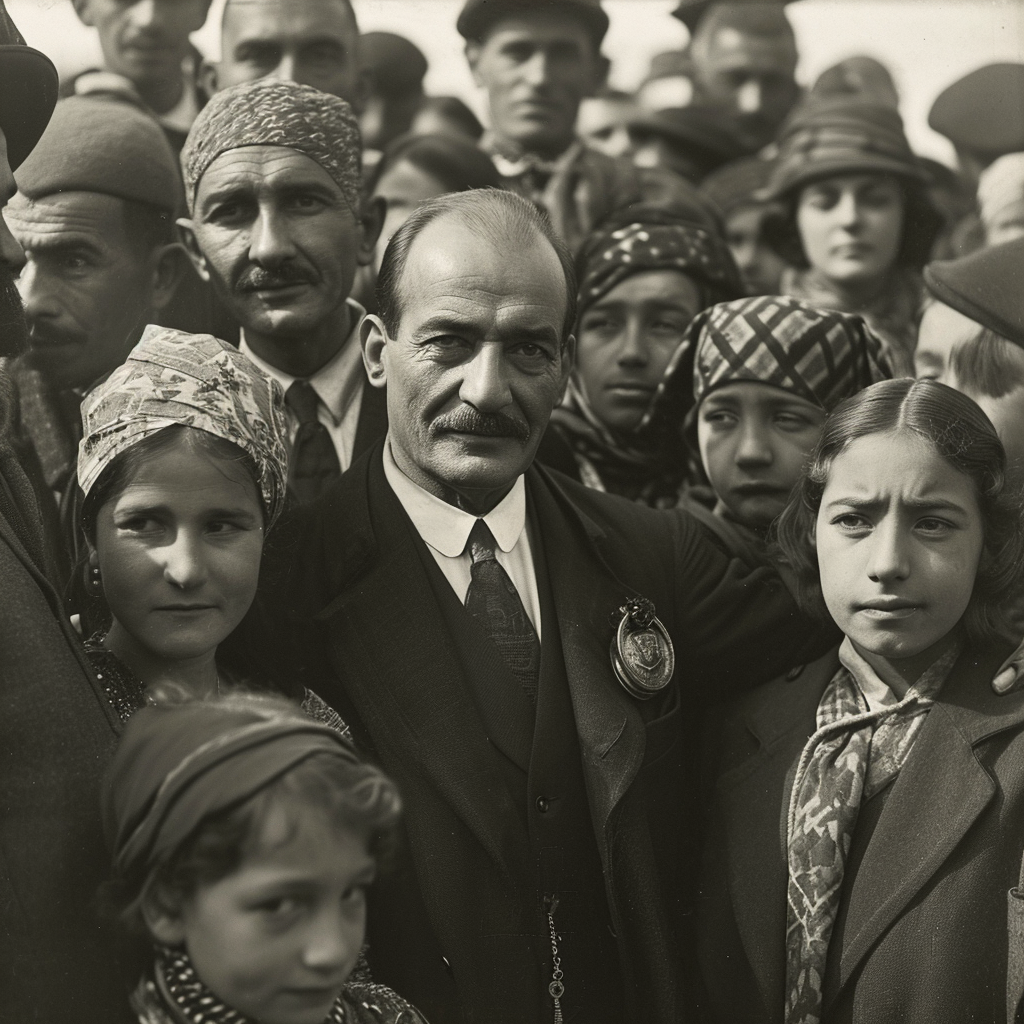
[564, 571]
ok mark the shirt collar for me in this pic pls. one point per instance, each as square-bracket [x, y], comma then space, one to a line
[336, 382]
[447, 528]
[511, 161]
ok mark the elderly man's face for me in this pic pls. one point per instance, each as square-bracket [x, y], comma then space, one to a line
[144, 40]
[273, 231]
[312, 42]
[753, 76]
[89, 283]
[13, 331]
[476, 364]
[536, 68]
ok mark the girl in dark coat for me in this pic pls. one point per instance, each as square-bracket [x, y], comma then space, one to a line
[867, 815]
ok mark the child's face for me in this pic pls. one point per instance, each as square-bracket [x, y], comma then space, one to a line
[277, 939]
[899, 537]
[754, 439]
[179, 553]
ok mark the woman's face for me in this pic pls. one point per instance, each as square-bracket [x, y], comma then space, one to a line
[626, 339]
[899, 538]
[851, 226]
[404, 186]
[754, 440]
[179, 553]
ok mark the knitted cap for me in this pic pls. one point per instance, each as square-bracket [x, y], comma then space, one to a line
[841, 135]
[479, 15]
[985, 286]
[983, 112]
[94, 145]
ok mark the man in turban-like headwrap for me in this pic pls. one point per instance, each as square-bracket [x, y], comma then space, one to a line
[278, 225]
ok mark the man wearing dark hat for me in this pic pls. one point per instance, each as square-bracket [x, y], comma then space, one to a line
[55, 727]
[538, 60]
[100, 261]
[277, 222]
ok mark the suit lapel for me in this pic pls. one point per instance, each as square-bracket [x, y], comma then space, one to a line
[410, 691]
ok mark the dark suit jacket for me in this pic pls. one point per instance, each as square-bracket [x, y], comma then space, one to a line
[922, 934]
[366, 628]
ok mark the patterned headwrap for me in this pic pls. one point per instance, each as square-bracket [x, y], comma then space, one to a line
[194, 380]
[271, 112]
[820, 355]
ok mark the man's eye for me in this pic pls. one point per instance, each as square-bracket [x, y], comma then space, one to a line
[139, 524]
[518, 52]
[261, 56]
[719, 417]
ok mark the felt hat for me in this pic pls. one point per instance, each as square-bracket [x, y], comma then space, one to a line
[96, 145]
[28, 91]
[704, 130]
[983, 112]
[985, 287]
[478, 16]
[841, 135]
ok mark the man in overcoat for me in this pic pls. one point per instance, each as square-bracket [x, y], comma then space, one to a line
[501, 641]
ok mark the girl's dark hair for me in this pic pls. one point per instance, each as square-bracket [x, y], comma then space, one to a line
[962, 434]
[458, 164]
[122, 468]
[921, 225]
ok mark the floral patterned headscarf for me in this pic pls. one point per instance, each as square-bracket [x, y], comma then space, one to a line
[195, 380]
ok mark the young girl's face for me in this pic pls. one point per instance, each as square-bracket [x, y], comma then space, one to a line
[278, 937]
[179, 552]
[754, 439]
[899, 536]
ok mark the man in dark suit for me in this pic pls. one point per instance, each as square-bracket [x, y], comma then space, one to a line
[55, 727]
[463, 608]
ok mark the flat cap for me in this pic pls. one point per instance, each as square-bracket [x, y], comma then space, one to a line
[96, 145]
[691, 12]
[983, 112]
[985, 286]
[478, 16]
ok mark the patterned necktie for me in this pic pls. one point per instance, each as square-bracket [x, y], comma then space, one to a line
[494, 602]
[314, 461]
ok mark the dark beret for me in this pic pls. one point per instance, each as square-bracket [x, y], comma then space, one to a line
[396, 66]
[691, 12]
[479, 15]
[983, 112]
[100, 145]
[985, 286]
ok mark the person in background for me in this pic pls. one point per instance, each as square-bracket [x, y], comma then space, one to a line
[603, 119]
[312, 42]
[395, 69]
[245, 839]
[668, 83]
[767, 372]
[733, 191]
[643, 277]
[972, 338]
[744, 60]
[856, 224]
[859, 76]
[446, 115]
[101, 261]
[865, 813]
[277, 221]
[538, 61]
[1001, 199]
[56, 730]
[148, 59]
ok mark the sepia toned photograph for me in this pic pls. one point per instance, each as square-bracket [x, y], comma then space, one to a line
[512, 512]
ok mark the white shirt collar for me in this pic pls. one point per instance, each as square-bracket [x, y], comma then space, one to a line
[336, 382]
[447, 528]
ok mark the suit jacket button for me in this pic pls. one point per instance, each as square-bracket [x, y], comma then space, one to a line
[543, 804]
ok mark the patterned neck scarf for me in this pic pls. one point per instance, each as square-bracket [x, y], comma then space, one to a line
[853, 754]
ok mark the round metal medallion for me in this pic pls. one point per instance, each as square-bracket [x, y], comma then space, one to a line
[642, 654]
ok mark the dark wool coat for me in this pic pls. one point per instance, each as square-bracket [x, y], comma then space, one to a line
[369, 632]
[922, 932]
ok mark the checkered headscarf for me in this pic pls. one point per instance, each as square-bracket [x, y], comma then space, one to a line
[270, 112]
[820, 355]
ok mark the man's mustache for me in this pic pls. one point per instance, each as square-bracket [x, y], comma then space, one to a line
[258, 278]
[467, 420]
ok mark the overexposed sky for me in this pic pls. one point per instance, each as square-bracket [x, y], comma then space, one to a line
[926, 43]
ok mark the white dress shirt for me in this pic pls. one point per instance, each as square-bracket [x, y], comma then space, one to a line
[445, 530]
[338, 384]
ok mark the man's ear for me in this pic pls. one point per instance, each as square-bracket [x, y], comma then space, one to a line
[84, 11]
[372, 221]
[191, 243]
[208, 78]
[164, 922]
[374, 341]
[170, 264]
[473, 49]
[568, 362]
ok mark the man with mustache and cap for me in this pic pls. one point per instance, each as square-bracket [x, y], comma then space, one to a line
[278, 224]
[500, 640]
[55, 730]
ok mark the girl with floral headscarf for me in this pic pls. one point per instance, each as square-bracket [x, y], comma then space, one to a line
[642, 279]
